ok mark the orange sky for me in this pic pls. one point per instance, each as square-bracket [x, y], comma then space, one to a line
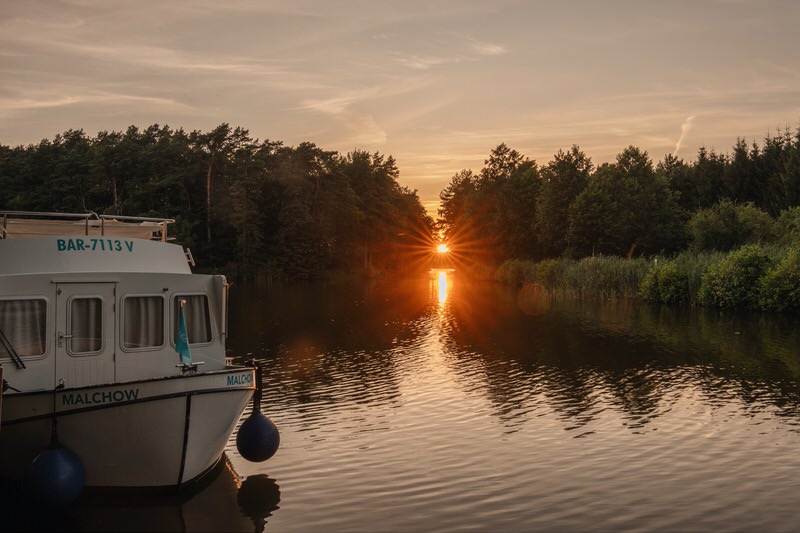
[435, 84]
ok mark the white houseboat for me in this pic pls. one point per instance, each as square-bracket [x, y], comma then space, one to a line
[112, 347]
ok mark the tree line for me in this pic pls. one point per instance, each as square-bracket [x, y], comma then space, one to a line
[723, 231]
[255, 208]
[569, 208]
[259, 208]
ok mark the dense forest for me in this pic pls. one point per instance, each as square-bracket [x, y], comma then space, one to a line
[513, 208]
[721, 231]
[262, 209]
[255, 209]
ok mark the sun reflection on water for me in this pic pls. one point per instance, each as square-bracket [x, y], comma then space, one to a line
[387, 384]
[442, 283]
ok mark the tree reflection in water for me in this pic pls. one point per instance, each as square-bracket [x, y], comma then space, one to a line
[406, 403]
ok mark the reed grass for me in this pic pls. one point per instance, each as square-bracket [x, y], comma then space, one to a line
[752, 277]
[604, 276]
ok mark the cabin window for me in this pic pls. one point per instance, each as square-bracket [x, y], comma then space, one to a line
[24, 325]
[143, 322]
[85, 325]
[195, 312]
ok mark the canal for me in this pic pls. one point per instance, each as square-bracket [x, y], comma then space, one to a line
[445, 404]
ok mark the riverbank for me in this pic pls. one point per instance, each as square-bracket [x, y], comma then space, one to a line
[753, 277]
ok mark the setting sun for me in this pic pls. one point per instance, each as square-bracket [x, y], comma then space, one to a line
[442, 248]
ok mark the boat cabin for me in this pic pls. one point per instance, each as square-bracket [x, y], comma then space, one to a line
[91, 299]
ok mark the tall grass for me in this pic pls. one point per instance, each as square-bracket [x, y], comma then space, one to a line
[604, 276]
[752, 277]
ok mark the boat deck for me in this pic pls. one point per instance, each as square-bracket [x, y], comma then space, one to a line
[23, 224]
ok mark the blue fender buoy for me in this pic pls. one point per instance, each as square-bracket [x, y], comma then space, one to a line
[56, 476]
[258, 438]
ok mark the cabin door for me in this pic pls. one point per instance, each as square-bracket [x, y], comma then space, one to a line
[85, 324]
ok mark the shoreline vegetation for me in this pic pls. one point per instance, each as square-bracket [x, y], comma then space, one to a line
[751, 278]
[722, 231]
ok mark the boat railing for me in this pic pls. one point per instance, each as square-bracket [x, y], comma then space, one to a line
[20, 224]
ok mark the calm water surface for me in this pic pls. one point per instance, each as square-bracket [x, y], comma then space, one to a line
[448, 405]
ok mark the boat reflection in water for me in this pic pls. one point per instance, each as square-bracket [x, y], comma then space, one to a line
[221, 501]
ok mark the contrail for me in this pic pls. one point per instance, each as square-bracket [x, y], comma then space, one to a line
[686, 127]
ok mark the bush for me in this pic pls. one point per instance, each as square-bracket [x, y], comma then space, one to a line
[677, 280]
[780, 287]
[735, 281]
[673, 284]
[787, 227]
[648, 288]
[516, 272]
[728, 225]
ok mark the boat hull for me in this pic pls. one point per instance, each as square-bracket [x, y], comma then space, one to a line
[147, 433]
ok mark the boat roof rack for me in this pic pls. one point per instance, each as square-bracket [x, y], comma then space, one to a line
[21, 224]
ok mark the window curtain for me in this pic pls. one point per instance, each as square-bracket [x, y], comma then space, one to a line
[143, 321]
[195, 312]
[24, 323]
[86, 325]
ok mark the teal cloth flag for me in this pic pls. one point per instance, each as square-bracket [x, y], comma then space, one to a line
[182, 342]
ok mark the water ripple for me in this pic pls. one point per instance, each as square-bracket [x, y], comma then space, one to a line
[596, 418]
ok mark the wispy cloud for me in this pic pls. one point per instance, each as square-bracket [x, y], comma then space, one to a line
[339, 103]
[488, 49]
[46, 100]
[423, 62]
[686, 127]
[458, 53]
[435, 84]
[364, 130]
